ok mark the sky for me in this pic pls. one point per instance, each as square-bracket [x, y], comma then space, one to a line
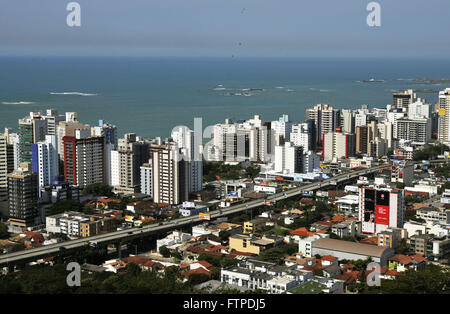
[276, 28]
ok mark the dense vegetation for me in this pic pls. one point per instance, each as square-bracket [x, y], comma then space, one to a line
[227, 172]
[277, 254]
[98, 189]
[3, 230]
[431, 280]
[430, 152]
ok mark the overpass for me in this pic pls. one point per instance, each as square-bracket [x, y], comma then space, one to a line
[118, 237]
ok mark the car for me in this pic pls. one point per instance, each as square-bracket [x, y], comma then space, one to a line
[160, 224]
[140, 226]
[130, 232]
[62, 248]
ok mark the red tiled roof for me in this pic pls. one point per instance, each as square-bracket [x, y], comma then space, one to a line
[419, 258]
[338, 218]
[199, 270]
[328, 258]
[303, 232]
[402, 259]
[325, 223]
[203, 263]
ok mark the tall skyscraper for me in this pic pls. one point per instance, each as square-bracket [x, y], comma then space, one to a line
[289, 158]
[245, 140]
[3, 169]
[45, 161]
[32, 129]
[146, 178]
[347, 121]
[23, 197]
[337, 145]
[132, 154]
[83, 159]
[170, 173]
[109, 133]
[404, 99]
[361, 139]
[68, 128]
[303, 134]
[444, 115]
[325, 119]
[281, 129]
[416, 130]
[53, 118]
[186, 140]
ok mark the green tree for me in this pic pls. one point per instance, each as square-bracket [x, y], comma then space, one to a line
[164, 251]
[65, 206]
[133, 269]
[98, 189]
[3, 230]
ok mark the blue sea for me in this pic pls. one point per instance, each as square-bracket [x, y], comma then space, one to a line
[150, 96]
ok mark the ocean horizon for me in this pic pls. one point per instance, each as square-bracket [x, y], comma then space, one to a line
[151, 95]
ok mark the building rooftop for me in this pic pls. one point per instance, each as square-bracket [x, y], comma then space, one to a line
[350, 247]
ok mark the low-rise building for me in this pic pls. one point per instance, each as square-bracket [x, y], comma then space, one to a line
[351, 250]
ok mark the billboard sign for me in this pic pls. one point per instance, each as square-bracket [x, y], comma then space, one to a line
[232, 194]
[129, 218]
[382, 217]
[205, 216]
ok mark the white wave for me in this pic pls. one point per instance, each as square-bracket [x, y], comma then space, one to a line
[18, 102]
[279, 87]
[73, 93]
[220, 88]
[320, 90]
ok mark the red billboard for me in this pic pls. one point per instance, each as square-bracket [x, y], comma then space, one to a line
[382, 216]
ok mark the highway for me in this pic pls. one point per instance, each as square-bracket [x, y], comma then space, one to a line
[32, 254]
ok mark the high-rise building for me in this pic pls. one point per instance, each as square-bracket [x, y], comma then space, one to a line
[68, 128]
[23, 197]
[444, 115]
[245, 140]
[325, 119]
[170, 175]
[385, 132]
[53, 119]
[360, 119]
[311, 161]
[189, 143]
[416, 130]
[377, 147]
[45, 161]
[132, 154]
[32, 129]
[302, 134]
[109, 133]
[83, 159]
[347, 121]
[404, 99]
[380, 208]
[419, 109]
[146, 178]
[289, 158]
[3, 169]
[337, 145]
[361, 138]
[281, 129]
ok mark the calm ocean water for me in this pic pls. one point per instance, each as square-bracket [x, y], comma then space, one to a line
[149, 96]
